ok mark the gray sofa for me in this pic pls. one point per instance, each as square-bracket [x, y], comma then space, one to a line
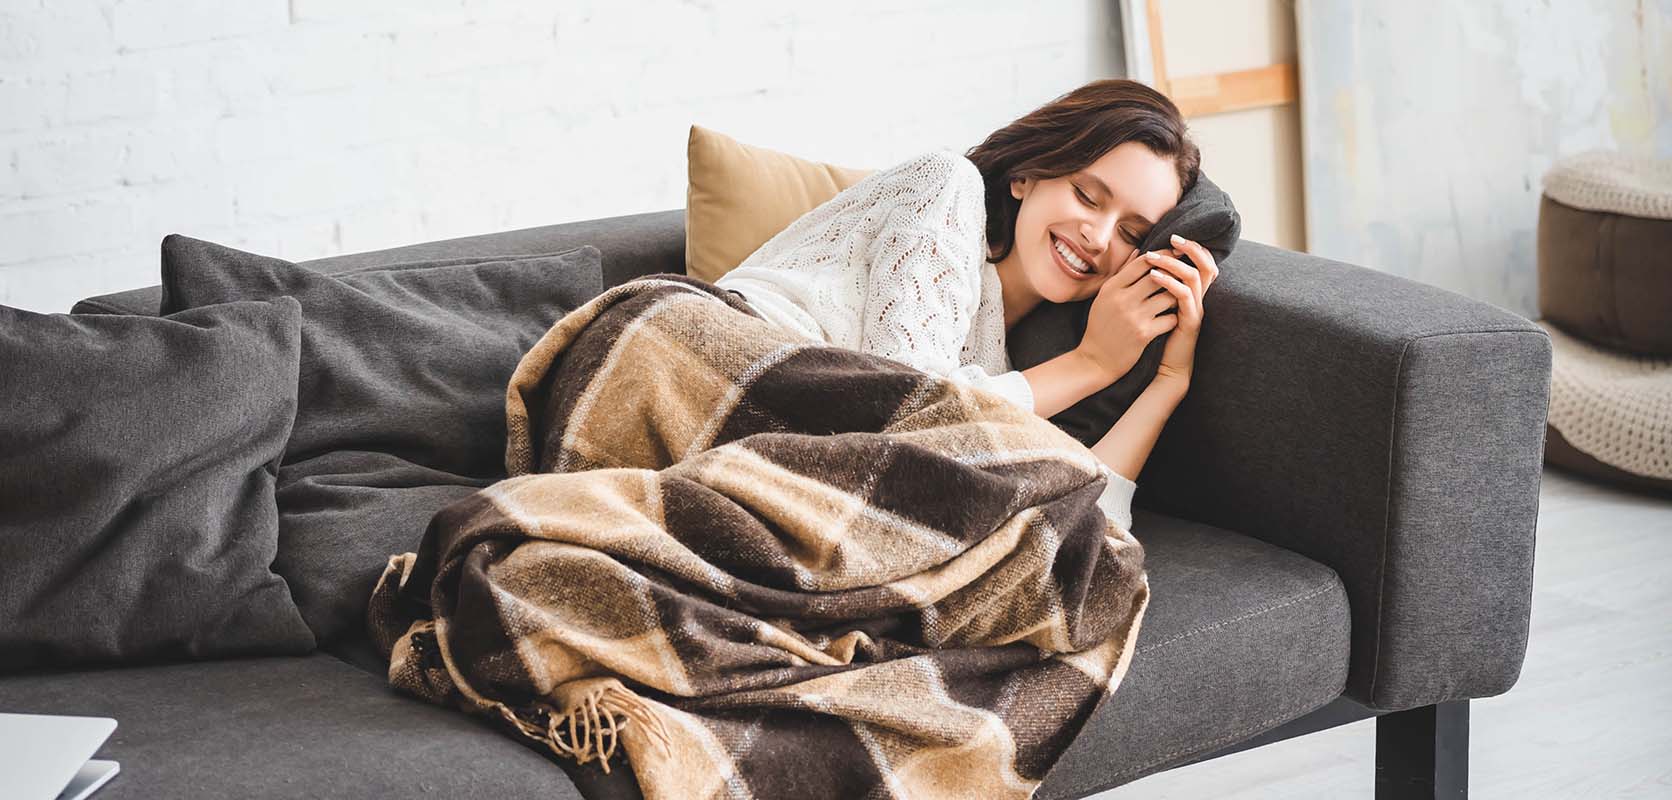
[1338, 520]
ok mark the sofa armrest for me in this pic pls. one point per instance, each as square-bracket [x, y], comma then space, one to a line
[1390, 430]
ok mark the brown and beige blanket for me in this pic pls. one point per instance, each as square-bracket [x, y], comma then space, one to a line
[763, 567]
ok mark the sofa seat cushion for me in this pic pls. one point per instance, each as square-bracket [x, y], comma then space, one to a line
[285, 727]
[1240, 637]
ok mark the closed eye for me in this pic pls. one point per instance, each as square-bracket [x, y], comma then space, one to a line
[1083, 197]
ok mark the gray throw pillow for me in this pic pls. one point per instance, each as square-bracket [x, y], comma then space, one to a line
[137, 515]
[402, 397]
[342, 515]
[1204, 215]
[409, 362]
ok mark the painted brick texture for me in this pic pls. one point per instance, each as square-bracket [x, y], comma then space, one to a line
[308, 128]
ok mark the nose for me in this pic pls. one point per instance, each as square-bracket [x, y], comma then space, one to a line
[1099, 235]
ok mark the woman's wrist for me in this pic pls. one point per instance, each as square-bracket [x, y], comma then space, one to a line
[1127, 444]
[1168, 385]
[1064, 380]
[1103, 374]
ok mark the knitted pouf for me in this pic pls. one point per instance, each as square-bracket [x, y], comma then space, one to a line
[1605, 251]
[1605, 293]
[1610, 413]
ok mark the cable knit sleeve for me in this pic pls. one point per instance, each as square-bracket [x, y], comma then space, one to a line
[924, 281]
[1116, 500]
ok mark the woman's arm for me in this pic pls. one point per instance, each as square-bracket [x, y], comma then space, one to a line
[1127, 445]
[1064, 381]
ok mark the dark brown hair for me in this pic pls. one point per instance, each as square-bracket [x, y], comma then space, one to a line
[1068, 134]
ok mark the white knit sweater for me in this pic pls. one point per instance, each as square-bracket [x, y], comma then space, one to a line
[896, 266]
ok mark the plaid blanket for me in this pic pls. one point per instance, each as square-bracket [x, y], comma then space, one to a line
[764, 567]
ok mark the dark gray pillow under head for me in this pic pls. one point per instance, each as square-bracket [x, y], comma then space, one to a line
[1204, 215]
[137, 458]
[402, 389]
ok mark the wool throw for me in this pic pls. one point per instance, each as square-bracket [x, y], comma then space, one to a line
[752, 566]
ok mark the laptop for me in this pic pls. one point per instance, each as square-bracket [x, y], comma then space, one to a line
[48, 757]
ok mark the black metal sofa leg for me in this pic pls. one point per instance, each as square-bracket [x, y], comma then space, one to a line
[1423, 752]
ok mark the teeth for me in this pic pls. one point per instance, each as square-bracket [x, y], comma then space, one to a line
[1073, 260]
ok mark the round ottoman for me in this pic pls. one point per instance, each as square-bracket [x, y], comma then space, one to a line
[1610, 414]
[1605, 296]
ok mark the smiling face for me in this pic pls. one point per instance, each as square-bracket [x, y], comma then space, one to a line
[1098, 214]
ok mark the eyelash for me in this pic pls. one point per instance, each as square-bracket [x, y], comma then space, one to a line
[1124, 234]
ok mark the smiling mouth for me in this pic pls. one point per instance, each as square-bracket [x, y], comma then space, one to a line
[1069, 260]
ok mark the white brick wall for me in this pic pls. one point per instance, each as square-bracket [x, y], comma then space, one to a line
[306, 128]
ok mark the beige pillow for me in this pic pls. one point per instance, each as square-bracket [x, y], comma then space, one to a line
[739, 196]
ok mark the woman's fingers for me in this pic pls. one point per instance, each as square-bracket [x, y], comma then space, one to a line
[1200, 255]
[1180, 270]
[1133, 270]
[1189, 309]
[1158, 302]
[1139, 265]
[1161, 324]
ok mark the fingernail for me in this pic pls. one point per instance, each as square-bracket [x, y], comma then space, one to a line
[1177, 238]
[1153, 256]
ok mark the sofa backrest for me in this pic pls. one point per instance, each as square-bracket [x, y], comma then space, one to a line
[632, 245]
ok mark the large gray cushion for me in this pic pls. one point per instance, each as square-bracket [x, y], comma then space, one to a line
[1203, 215]
[137, 516]
[343, 515]
[285, 728]
[632, 245]
[402, 397]
[409, 362]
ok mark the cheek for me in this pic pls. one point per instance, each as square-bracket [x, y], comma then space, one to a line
[1124, 251]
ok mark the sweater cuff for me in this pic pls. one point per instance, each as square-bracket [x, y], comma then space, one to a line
[1015, 388]
[1011, 386]
[1116, 500]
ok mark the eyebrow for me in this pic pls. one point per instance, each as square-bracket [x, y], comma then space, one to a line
[1105, 189]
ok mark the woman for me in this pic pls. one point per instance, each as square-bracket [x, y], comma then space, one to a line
[929, 262]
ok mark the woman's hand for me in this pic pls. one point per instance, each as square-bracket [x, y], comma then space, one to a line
[1187, 286]
[1123, 318]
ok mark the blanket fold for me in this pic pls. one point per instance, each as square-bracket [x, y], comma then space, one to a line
[765, 567]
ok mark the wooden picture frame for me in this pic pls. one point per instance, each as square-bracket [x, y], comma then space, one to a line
[1198, 95]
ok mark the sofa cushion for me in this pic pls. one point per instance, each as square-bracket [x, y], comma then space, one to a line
[632, 245]
[402, 397]
[738, 196]
[343, 514]
[1240, 636]
[409, 362]
[283, 728]
[137, 514]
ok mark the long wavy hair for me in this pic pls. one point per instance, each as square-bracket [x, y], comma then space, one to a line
[1068, 134]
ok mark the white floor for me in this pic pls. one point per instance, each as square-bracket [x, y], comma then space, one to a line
[1592, 713]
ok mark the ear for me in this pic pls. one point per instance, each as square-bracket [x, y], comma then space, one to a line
[1018, 187]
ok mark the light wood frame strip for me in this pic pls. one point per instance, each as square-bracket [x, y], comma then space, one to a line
[1220, 92]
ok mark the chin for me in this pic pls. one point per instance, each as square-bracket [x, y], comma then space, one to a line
[1059, 288]
[1058, 293]
[1055, 287]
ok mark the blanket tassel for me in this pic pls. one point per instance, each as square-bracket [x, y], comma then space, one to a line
[594, 722]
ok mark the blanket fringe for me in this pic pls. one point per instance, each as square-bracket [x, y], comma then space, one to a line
[594, 721]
